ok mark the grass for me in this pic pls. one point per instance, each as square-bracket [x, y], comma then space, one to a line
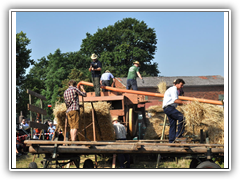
[140, 161]
[106, 162]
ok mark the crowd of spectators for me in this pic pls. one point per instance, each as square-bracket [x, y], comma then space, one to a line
[23, 133]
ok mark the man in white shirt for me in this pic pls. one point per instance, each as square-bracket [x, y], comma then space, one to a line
[24, 125]
[121, 133]
[105, 79]
[170, 102]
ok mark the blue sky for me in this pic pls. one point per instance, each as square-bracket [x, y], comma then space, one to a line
[188, 43]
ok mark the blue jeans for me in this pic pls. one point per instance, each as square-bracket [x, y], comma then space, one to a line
[173, 115]
[132, 83]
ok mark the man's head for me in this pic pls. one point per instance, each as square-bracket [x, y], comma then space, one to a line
[179, 83]
[107, 71]
[50, 123]
[115, 119]
[94, 57]
[23, 120]
[72, 83]
[136, 63]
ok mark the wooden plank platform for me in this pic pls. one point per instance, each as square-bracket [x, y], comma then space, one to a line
[97, 147]
[119, 142]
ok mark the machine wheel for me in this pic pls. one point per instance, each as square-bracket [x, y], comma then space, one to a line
[32, 165]
[132, 124]
[195, 162]
[208, 165]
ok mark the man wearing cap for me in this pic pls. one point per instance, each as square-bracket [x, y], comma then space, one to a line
[95, 68]
[105, 79]
[133, 72]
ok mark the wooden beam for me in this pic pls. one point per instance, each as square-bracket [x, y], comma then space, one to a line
[36, 109]
[38, 125]
[98, 143]
[36, 94]
[109, 149]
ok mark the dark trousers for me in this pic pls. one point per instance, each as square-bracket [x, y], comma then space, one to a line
[105, 83]
[132, 83]
[96, 84]
[173, 115]
[122, 158]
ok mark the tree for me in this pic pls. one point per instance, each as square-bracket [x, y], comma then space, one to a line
[119, 45]
[77, 75]
[23, 61]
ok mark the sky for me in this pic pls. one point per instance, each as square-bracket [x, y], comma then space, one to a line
[188, 43]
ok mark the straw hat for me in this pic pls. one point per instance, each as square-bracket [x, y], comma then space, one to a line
[136, 62]
[94, 56]
[107, 71]
[115, 118]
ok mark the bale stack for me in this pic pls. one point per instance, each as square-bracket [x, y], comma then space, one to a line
[103, 125]
[197, 116]
[162, 87]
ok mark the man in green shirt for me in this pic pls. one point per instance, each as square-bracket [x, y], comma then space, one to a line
[133, 72]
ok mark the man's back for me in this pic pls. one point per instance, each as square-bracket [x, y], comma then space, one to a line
[120, 131]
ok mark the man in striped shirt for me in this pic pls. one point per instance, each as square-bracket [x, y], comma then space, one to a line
[71, 98]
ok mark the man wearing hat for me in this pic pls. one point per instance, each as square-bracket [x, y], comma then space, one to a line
[95, 68]
[133, 72]
[105, 79]
[120, 134]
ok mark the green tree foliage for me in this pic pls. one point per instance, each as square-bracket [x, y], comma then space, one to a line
[23, 61]
[119, 45]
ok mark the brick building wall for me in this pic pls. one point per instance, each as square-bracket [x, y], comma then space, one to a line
[205, 92]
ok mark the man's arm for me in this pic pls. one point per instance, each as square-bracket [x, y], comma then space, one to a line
[178, 101]
[139, 75]
[98, 69]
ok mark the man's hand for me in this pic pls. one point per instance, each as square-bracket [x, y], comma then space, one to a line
[142, 81]
[82, 88]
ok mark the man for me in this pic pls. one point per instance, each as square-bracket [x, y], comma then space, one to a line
[170, 102]
[120, 133]
[105, 79]
[95, 68]
[180, 91]
[71, 98]
[133, 72]
[51, 129]
[24, 125]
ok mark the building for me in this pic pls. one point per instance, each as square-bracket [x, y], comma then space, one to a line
[206, 87]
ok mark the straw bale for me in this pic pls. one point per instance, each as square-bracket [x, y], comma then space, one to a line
[156, 117]
[197, 116]
[103, 123]
[204, 116]
[162, 87]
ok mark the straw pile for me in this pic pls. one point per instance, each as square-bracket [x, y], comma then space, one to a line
[103, 125]
[197, 116]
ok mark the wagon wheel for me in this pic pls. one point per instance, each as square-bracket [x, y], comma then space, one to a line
[132, 122]
[208, 165]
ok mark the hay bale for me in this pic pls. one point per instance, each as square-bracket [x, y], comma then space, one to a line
[204, 116]
[154, 123]
[197, 116]
[162, 87]
[104, 128]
